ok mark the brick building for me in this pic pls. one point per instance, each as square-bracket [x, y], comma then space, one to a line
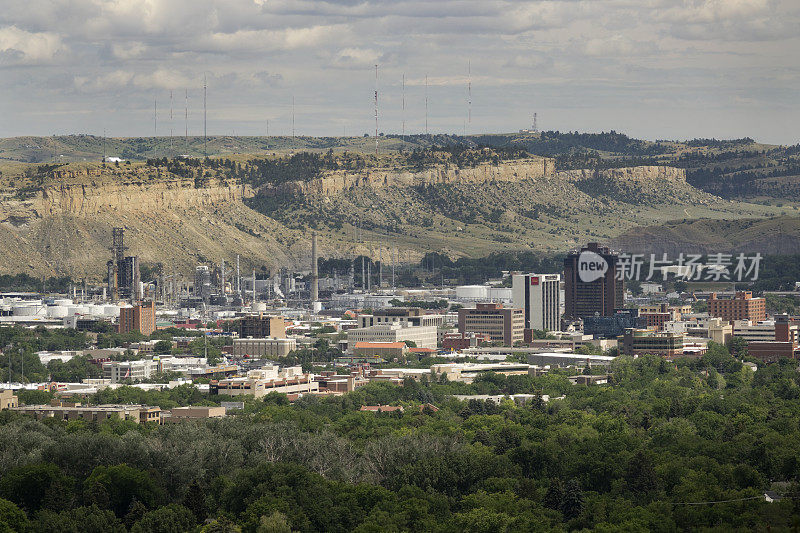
[741, 307]
[141, 318]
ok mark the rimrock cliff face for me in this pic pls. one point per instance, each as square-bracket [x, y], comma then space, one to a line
[87, 200]
[66, 229]
[63, 227]
[336, 182]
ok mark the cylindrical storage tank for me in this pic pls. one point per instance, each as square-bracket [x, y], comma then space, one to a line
[111, 310]
[502, 294]
[471, 292]
[79, 310]
[29, 309]
[57, 311]
[259, 307]
[62, 301]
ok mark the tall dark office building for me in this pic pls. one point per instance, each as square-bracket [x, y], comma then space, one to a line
[588, 290]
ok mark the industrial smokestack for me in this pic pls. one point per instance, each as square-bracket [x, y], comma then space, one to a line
[314, 269]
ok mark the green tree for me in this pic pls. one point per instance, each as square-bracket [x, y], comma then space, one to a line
[12, 518]
[121, 484]
[172, 518]
[572, 505]
[37, 485]
[274, 523]
[162, 347]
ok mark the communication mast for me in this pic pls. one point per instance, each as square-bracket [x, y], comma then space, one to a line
[469, 93]
[205, 122]
[404, 107]
[426, 104]
[376, 110]
[186, 121]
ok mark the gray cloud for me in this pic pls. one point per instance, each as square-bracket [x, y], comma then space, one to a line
[657, 68]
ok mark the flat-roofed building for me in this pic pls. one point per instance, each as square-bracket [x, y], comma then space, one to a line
[406, 316]
[261, 387]
[647, 341]
[262, 326]
[539, 296]
[385, 350]
[117, 371]
[750, 331]
[501, 324]
[421, 336]
[261, 348]
[140, 318]
[8, 399]
[741, 307]
[96, 413]
[181, 414]
[591, 287]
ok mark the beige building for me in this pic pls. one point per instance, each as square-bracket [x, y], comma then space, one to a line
[501, 324]
[422, 336]
[95, 413]
[386, 350]
[8, 400]
[181, 414]
[259, 348]
[258, 383]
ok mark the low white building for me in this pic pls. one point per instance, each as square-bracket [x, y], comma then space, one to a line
[422, 336]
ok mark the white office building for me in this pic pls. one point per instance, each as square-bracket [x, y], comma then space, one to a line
[422, 336]
[539, 296]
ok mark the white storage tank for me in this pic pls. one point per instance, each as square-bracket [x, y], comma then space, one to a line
[57, 311]
[471, 292]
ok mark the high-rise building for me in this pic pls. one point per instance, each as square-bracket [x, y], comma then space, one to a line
[591, 287]
[538, 295]
[501, 324]
[141, 318]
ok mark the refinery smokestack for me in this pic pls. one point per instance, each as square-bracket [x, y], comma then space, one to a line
[314, 270]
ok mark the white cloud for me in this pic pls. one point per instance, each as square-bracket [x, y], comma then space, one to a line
[20, 47]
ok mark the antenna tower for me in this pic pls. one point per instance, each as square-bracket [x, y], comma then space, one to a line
[292, 117]
[469, 94]
[376, 110]
[170, 121]
[205, 120]
[535, 125]
[426, 104]
[404, 107]
[186, 121]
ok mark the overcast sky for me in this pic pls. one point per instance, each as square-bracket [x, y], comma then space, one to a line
[657, 69]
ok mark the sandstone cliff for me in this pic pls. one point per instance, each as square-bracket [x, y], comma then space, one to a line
[336, 182]
[63, 225]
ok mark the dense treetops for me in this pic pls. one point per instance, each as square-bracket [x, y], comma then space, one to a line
[665, 446]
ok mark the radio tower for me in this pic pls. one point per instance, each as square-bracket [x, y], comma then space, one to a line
[186, 121]
[292, 117]
[469, 93]
[170, 122]
[205, 122]
[426, 104]
[404, 107]
[535, 125]
[376, 110]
